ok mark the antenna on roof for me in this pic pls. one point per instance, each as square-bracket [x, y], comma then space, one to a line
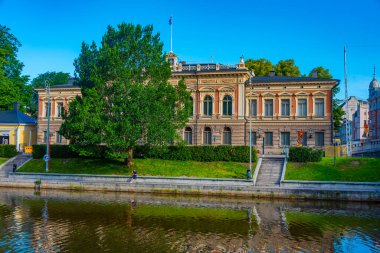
[171, 33]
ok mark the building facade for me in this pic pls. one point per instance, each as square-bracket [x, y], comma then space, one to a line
[60, 95]
[374, 108]
[17, 128]
[283, 111]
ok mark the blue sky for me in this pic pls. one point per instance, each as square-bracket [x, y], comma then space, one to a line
[313, 33]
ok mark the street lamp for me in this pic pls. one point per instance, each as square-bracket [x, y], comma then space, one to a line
[251, 75]
[46, 156]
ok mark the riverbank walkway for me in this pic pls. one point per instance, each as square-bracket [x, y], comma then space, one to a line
[268, 182]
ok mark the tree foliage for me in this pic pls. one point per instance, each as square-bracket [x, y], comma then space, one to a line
[12, 83]
[53, 77]
[261, 67]
[287, 68]
[127, 98]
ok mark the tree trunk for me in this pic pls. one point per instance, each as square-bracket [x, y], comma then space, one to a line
[129, 161]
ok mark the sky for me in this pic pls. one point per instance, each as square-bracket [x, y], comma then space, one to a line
[313, 33]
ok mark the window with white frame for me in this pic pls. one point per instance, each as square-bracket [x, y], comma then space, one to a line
[254, 138]
[319, 107]
[285, 107]
[252, 107]
[207, 106]
[60, 110]
[268, 110]
[302, 107]
[227, 105]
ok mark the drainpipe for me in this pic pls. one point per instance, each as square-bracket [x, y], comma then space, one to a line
[197, 108]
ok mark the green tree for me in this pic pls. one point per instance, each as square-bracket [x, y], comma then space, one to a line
[53, 77]
[261, 67]
[127, 98]
[337, 110]
[12, 83]
[287, 68]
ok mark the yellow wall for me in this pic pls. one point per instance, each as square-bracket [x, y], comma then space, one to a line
[23, 134]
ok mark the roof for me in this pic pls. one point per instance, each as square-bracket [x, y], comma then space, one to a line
[287, 79]
[15, 117]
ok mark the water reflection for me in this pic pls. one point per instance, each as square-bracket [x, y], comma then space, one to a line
[112, 222]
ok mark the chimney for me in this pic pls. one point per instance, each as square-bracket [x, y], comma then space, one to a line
[272, 73]
[314, 74]
[16, 106]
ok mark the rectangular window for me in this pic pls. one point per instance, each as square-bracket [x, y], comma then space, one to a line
[47, 107]
[302, 107]
[60, 110]
[285, 139]
[268, 107]
[254, 138]
[58, 137]
[319, 107]
[285, 107]
[319, 139]
[252, 107]
[45, 136]
[268, 139]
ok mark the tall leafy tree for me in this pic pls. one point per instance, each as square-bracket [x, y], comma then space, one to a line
[53, 77]
[12, 83]
[287, 68]
[337, 110]
[127, 98]
[261, 67]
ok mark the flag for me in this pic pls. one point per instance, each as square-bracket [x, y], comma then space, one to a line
[170, 20]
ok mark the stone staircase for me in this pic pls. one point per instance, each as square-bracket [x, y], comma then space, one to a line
[19, 160]
[270, 171]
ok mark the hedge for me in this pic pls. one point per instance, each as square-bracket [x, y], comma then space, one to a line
[56, 151]
[183, 153]
[304, 154]
[7, 150]
[198, 153]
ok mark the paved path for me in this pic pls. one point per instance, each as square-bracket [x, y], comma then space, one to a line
[19, 160]
[270, 171]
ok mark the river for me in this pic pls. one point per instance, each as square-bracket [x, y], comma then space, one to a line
[58, 221]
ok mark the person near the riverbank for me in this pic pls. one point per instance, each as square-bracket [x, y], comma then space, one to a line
[134, 176]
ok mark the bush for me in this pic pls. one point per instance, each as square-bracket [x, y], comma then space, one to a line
[7, 150]
[197, 153]
[304, 154]
[56, 151]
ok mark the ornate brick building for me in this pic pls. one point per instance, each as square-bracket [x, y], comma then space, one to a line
[61, 95]
[285, 111]
[374, 108]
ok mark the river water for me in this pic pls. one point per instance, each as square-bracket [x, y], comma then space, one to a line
[56, 221]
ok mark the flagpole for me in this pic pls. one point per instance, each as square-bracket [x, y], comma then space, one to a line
[171, 33]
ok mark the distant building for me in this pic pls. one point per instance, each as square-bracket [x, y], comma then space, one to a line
[285, 111]
[356, 116]
[17, 128]
[374, 108]
[60, 95]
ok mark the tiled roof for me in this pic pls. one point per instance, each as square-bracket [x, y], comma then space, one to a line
[16, 117]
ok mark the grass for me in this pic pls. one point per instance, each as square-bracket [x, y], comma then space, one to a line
[347, 169]
[145, 167]
[3, 160]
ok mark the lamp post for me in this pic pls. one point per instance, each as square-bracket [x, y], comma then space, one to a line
[251, 75]
[46, 156]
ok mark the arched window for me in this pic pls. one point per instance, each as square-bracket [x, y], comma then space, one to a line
[207, 106]
[207, 136]
[227, 136]
[189, 135]
[191, 107]
[227, 105]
